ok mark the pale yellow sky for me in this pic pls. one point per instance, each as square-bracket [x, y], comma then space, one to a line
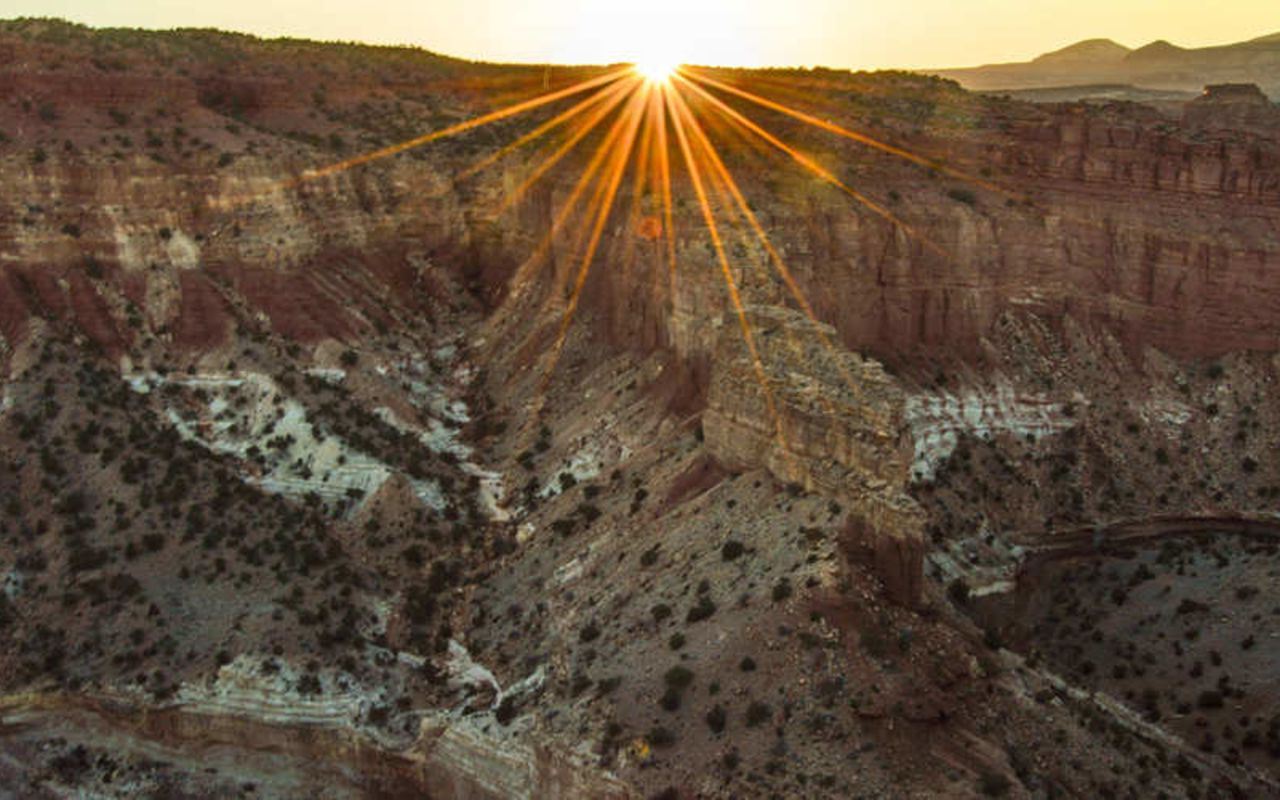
[839, 33]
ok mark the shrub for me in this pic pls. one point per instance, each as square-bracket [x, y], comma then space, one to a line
[659, 736]
[703, 610]
[590, 632]
[676, 641]
[993, 784]
[731, 550]
[781, 590]
[963, 196]
[757, 714]
[670, 700]
[716, 719]
[679, 678]
[748, 664]
[505, 712]
[660, 612]
[1189, 606]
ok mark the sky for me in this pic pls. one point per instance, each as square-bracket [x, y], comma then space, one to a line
[860, 34]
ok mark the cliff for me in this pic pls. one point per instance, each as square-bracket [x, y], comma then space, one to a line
[819, 416]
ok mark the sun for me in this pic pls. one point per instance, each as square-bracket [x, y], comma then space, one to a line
[657, 70]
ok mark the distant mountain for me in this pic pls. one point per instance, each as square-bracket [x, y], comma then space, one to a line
[1159, 66]
[1090, 51]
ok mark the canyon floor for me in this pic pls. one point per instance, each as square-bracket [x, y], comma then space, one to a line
[307, 489]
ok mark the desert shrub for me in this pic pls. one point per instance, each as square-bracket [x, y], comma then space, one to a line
[757, 714]
[590, 632]
[677, 641]
[659, 736]
[660, 612]
[963, 196]
[716, 719]
[731, 550]
[993, 784]
[670, 700]
[781, 590]
[679, 678]
[1189, 606]
[748, 664]
[703, 610]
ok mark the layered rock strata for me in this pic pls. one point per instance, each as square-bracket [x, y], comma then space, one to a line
[812, 413]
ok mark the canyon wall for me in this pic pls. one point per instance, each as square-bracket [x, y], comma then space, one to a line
[816, 415]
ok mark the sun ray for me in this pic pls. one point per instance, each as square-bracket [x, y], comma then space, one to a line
[507, 112]
[639, 188]
[634, 114]
[811, 165]
[467, 125]
[855, 136]
[731, 284]
[602, 151]
[659, 112]
[583, 130]
[560, 119]
[726, 179]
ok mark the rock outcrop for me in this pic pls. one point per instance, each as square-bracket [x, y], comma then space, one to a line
[814, 414]
[1234, 106]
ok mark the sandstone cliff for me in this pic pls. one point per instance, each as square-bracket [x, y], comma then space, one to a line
[816, 415]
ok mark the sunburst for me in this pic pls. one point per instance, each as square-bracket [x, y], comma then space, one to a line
[646, 118]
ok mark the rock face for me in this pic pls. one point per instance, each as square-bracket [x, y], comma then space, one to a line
[1236, 106]
[817, 415]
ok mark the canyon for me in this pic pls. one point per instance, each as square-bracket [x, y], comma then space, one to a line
[306, 465]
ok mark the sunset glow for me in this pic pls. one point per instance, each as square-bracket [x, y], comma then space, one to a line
[836, 33]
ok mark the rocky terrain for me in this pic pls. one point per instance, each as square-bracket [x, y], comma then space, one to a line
[292, 509]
